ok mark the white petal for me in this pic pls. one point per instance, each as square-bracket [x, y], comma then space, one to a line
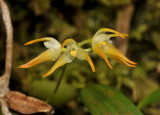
[52, 43]
[99, 38]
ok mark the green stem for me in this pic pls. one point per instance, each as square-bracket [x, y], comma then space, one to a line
[59, 80]
[84, 42]
[58, 84]
[88, 50]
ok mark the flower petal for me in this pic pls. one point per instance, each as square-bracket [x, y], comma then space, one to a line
[65, 58]
[48, 55]
[49, 42]
[116, 35]
[104, 30]
[81, 54]
[125, 62]
[97, 50]
[115, 58]
[39, 40]
[114, 52]
[67, 42]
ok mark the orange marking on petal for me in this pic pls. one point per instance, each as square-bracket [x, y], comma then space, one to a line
[51, 70]
[116, 35]
[43, 57]
[124, 59]
[104, 30]
[90, 62]
[125, 34]
[121, 55]
[107, 61]
[38, 40]
[128, 60]
[30, 63]
[127, 63]
[115, 53]
[99, 51]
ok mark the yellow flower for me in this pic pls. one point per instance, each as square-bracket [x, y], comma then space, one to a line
[54, 51]
[102, 46]
[69, 55]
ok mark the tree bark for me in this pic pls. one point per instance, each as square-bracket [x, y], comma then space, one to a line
[123, 25]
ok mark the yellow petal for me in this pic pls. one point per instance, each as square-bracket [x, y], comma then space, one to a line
[90, 62]
[130, 65]
[116, 35]
[114, 52]
[48, 55]
[116, 59]
[65, 58]
[67, 41]
[39, 40]
[84, 56]
[104, 30]
[99, 51]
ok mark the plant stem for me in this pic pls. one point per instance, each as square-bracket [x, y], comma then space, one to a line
[84, 42]
[88, 50]
[60, 79]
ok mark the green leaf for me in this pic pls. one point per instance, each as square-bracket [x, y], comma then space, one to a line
[105, 100]
[152, 98]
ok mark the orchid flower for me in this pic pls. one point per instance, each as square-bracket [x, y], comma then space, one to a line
[54, 52]
[51, 54]
[69, 55]
[102, 46]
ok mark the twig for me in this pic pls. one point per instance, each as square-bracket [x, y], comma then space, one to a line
[9, 40]
[5, 110]
[12, 99]
[4, 79]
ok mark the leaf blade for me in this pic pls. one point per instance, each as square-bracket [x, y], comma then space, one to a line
[152, 98]
[102, 99]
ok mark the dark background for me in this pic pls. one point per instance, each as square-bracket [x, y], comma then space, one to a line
[80, 19]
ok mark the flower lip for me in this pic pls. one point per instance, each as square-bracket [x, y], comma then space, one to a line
[71, 46]
[73, 53]
[78, 52]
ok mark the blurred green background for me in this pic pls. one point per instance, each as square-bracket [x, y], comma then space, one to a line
[80, 19]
